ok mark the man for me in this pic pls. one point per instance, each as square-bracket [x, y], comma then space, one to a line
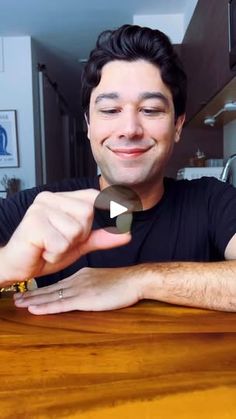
[182, 246]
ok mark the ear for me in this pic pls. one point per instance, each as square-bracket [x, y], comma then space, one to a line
[178, 127]
[88, 125]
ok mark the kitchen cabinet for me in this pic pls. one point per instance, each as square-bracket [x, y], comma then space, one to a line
[225, 95]
[205, 54]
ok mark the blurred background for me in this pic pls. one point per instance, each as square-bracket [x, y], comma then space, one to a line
[43, 47]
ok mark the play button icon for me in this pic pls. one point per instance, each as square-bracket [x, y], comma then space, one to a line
[114, 208]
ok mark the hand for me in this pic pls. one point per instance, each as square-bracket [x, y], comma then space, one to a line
[55, 231]
[90, 289]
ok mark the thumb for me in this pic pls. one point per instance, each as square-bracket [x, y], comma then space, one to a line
[102, 239]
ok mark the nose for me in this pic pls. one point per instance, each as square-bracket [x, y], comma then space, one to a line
[130, 125]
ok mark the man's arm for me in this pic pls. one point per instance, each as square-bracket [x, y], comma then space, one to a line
[55, 231]
[210, 285]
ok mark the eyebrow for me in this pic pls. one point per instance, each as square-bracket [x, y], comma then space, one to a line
[102, 96]
[142, 96]
[154, 95]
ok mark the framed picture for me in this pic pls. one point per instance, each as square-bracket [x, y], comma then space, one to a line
[3, 194]
[8, 139]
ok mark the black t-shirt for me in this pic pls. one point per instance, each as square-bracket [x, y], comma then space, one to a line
[193, 221]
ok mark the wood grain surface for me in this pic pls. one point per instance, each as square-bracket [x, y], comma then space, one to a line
[152, 360]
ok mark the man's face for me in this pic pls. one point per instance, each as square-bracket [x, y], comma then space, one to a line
[131, 124]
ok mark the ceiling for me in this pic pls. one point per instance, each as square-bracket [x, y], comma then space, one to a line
[68, 29]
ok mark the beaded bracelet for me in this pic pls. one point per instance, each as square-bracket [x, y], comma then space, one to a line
[21, 286]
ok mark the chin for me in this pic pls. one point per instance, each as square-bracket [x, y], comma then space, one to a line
[130, 176]
[127, 180]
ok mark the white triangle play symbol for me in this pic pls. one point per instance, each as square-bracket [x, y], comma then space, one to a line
[116, 209]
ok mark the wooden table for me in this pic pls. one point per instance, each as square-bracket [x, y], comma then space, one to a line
[152, 360]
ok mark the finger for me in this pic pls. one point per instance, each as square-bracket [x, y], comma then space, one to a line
[98, 240]
[102, 239]
[27, 244]
[55, 232]
[25, 301]
[72, 231]
[65, 304]
[41, 297]
[74, 225]
[53, 289]
[49, 237]
[62, 306]
[67, 201]
[77, 209]
[42, 291]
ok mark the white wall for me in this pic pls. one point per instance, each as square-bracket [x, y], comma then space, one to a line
[230, 144]
[1, 54]
[171, 25]
[16, 94]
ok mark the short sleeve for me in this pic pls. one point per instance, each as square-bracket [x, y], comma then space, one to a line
[221, 199]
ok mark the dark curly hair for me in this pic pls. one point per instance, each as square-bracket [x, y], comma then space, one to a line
[130, 43]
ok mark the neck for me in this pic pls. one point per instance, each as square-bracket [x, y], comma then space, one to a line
[149, 193]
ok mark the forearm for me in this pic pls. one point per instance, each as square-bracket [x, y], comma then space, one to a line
[204, 285]
[207, 285]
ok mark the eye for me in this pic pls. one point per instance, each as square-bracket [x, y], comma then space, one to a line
[152, 111]
[109, 111]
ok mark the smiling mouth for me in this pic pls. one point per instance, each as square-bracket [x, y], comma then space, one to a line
[129, 153]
